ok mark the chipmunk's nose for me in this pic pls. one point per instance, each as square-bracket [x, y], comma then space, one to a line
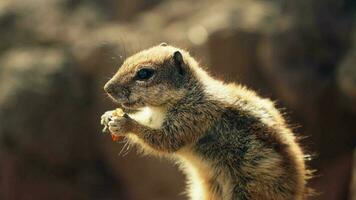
[109, 88]
[116, 91]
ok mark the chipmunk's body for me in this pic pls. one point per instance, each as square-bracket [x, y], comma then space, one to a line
[231, 143]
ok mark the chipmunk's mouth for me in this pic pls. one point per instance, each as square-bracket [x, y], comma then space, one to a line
[129, 104]
[125, 103]
[132, 105]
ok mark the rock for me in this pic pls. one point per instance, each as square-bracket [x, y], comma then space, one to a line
[346, 77]
[46, 138]
[352, 195]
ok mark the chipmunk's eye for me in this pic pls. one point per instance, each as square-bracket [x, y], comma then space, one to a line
[144, 74]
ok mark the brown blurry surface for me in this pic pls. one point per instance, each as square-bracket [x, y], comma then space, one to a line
[55, 57]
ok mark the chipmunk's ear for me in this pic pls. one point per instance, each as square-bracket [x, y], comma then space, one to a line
[177, 58]
[178, 61]
[163, 44]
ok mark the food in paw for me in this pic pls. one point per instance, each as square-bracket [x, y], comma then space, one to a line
[119, 113]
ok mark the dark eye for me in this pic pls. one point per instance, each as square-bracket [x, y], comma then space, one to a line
[144, 74]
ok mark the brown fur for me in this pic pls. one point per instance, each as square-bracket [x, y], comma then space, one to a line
[231, 143]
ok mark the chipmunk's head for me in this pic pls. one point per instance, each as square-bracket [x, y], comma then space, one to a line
[153, 77]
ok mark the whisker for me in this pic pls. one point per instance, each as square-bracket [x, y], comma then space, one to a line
[123, 148]
[126, 147]
[127, 150]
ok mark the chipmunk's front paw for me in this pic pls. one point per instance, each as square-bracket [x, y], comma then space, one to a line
[120, 125]
[105, 119]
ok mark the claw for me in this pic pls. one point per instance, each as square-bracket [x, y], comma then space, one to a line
[105, 129]
[110, 122]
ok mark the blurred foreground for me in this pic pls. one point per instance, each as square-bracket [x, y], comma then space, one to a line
[56, 55]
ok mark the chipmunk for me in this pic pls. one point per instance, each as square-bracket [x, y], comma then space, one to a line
[230, 143]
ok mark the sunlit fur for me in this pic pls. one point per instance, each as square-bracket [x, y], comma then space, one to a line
[230, 143]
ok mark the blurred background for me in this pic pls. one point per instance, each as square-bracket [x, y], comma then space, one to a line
[56, 55]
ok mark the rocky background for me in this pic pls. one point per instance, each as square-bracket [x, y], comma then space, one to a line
[56, 55]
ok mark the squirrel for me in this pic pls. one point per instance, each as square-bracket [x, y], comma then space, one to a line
[230, 143]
